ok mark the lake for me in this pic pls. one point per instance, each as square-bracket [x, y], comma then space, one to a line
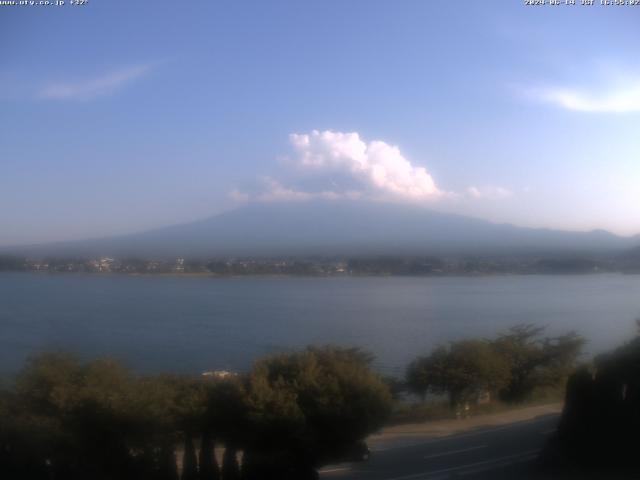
[194, 324]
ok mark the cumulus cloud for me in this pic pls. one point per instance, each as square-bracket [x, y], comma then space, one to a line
[332, 165]
[376, 165]
[274, 191]
[622, 99]
[490, 192]
[94, 87]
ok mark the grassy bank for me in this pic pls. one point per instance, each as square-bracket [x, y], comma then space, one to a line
[405, 412]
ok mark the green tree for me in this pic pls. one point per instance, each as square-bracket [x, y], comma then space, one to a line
[308, 408]
[464, 370]
[536, 361]
[77, 415]
[172, 410]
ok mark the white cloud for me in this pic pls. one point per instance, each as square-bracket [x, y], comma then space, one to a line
[335, 165]
[238, 196]
[622, 99]
[489, 192]
[276, 192]
[376, 165]
[94, 87]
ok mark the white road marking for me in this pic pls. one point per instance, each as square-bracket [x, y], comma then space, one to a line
[336, 469]
[453, 452]
[499, 460]
[504, 463]
[455, 436]
[483, 431]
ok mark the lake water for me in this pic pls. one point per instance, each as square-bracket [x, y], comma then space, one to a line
[188, 324]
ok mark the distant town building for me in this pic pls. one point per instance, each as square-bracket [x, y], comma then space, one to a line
[179, 266]
[105, 264]
[219, 374]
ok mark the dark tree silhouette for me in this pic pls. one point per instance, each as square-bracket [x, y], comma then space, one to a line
[168, 469]
[230, 466]
[600, 423]
[208, 465]
[189, 460]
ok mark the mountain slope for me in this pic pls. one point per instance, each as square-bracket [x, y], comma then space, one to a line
[340, 228]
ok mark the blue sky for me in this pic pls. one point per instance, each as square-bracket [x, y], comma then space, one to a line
[120, 116]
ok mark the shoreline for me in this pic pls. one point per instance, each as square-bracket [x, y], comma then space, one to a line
[285, 275]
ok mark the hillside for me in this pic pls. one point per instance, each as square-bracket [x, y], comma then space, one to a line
[339, 228]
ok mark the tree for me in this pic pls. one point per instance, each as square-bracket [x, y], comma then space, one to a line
[75, 416]
[598, 430]
[226, 411]
[172, 408]
[535, 361]
[97, 420]
[423, 373]
[308, 408]
[464, 370]
[22, 441]
[230, 465]
[207, 463]
[225, 419]
[189, 460]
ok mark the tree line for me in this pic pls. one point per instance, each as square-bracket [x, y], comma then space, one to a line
[65, 419]
[383, 265]
[510, 367]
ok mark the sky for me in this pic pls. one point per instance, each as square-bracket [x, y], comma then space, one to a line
[120, 116]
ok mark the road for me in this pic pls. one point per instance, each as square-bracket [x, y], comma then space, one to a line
[495, 452]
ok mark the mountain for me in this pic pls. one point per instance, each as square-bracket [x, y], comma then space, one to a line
[339, 228]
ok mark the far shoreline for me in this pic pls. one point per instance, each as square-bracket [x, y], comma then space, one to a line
[204, 275]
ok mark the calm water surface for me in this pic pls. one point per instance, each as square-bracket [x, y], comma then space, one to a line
[189, 324]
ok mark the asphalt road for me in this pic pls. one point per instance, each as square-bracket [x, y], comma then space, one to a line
[504, 452]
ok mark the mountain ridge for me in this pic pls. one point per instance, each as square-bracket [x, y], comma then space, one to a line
[337, 228]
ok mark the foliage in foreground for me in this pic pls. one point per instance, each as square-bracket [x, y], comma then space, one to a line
[64, 419]
[315, 405]
[510, 367]
[598, 430]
